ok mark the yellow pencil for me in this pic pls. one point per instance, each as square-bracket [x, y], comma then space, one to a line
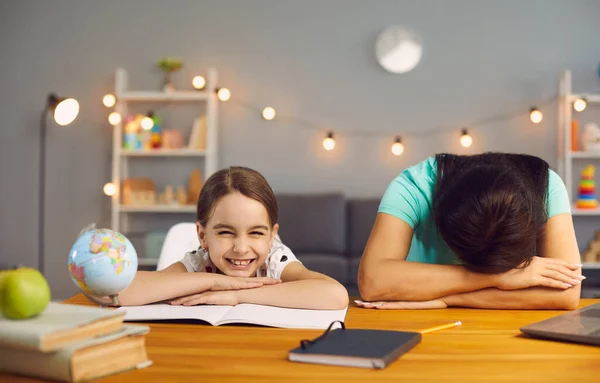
[441, 327]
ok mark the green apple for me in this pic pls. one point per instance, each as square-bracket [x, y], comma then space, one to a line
[24, 293]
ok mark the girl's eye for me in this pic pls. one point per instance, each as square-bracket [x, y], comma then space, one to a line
[225, 232]
[257, 233]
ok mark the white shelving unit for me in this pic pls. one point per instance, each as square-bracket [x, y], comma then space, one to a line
[565, 155]
[120, 156]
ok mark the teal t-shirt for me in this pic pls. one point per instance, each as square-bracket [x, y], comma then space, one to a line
[409, 197]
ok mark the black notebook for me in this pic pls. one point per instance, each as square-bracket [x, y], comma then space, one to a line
[355, 347]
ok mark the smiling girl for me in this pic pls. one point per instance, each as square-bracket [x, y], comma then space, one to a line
[241, 259]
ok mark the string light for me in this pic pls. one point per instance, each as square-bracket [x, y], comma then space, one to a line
[580, 104]
[268, 113]
[109, 100]
[329, 142]
[114, 118]
[147, 123]
[535, 115]
[466, 140]
[397, 147]
[109, 189]
[198, 82]
[223, 94]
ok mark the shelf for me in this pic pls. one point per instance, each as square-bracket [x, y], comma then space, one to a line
[588, 154]
[158, 209]
[591, 265]
[590, 97]
[590, 212]
[142, 96]
[162, 153]
[147, 261]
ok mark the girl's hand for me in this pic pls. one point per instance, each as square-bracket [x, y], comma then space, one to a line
[403, 305]
[226, 298]
[547, 272]
[225, 282]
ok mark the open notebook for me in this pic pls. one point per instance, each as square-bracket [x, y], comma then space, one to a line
[242, 313]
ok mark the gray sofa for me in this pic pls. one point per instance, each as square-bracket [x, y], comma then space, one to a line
[327, 232]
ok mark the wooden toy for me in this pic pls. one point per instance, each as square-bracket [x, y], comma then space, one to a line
[194, 187]
[138, 191]
[587, 198]
[168, 197]
[592, 251]
[181, 195]
[155, 132]
[171, 139]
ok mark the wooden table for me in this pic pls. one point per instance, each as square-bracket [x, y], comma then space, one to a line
[487, 347]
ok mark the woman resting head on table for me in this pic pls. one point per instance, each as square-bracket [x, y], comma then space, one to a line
[492, 230]
[240, 259]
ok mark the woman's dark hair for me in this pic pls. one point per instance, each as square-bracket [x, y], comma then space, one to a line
[245, 181]
[491, 208]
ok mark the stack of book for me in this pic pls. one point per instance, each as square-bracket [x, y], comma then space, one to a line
[71, 343]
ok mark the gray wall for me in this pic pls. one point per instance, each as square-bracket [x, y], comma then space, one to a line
[312, 59]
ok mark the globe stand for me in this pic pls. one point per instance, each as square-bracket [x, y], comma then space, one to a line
[113, 300]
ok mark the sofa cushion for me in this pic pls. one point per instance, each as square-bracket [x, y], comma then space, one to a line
[314, 223]
[361, 216]
[353, 270]
[331, 264]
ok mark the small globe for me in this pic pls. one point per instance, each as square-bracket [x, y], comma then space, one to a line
[102, 262]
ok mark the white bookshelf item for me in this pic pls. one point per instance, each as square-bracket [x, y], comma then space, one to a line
[565, 155]
[120, 156]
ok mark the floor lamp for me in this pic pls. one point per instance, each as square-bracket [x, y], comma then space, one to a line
[64, 111]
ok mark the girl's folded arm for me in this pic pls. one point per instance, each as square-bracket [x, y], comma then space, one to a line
[172, 282]
[301, 288]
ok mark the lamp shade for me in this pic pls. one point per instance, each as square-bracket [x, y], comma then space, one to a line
[66, 111]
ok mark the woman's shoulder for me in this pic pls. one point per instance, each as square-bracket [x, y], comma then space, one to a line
[425, 169]
[410, 195]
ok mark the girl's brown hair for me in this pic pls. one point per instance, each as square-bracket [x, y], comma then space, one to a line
[245, 181]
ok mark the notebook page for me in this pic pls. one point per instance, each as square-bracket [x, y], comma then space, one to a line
[282, 317]
[210, 314]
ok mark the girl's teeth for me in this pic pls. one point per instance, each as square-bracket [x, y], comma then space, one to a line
[240, 263]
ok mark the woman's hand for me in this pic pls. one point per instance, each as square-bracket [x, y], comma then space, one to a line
[225, 282]
[403, 305]
[225, 298]
[547, 272]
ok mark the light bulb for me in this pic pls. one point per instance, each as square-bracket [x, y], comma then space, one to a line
[397, 147]
[114, 118]
[109, 100]
[329, 142]
[535, 115]
[198, 82]
[268, 113]
[223, 94]
[580, 104]
[147, 123]
[66, 111]
[110, 189]
[466, 140]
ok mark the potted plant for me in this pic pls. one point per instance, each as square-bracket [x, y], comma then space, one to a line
[169, 65]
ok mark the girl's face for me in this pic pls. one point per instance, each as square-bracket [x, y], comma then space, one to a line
[238, 235]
